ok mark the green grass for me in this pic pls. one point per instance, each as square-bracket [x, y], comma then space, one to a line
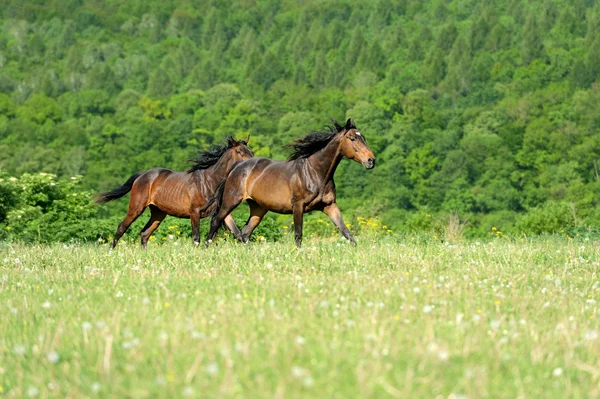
[394, 317]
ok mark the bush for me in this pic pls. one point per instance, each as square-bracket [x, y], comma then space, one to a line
[38, 207]
[551, 217]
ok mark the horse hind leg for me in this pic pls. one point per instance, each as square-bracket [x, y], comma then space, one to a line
[137, 204]
[230, 223]
[156, 217]
[256, 215]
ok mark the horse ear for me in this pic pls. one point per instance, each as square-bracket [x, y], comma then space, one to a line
[337, 126]
[231, 141]
[248, 139]
[349, 124]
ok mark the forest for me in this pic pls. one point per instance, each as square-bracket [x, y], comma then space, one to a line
[488, 111]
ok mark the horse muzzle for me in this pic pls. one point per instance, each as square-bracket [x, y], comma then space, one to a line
[369, 163]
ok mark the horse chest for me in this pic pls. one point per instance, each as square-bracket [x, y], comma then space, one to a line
[321, 198]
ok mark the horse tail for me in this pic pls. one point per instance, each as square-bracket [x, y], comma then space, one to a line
[214, 203]
[118, 192]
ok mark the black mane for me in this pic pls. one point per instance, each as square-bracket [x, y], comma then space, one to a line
[313, 142]
[208, 158]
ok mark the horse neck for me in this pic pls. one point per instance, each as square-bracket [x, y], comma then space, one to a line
[218, 171]
[326, 161]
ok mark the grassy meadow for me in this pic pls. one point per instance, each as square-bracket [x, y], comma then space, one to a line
[397, 316]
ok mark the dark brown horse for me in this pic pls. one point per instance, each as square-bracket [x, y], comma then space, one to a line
[302, 184]
[181, 194]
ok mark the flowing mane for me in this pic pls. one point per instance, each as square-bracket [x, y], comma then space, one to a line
[313, 142]
[208, 158]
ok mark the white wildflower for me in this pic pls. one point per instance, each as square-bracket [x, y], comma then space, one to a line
[308, 382]
[591, 335]
[188, 391]
[212, 368]
[53, 357]
[557, 372]
[298, 372]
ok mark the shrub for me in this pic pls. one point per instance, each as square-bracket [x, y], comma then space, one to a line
[550, 217]
[41, 208]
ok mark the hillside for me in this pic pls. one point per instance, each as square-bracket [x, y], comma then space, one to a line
[487, 109]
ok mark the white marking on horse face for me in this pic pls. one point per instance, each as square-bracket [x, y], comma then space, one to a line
[358, 133]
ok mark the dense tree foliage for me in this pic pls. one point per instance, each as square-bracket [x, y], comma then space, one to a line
[490, 110]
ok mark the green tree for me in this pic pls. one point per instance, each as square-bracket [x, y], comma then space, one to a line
[533, 45]
[160, 83]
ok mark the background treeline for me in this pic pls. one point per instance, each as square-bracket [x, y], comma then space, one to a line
[485, 109]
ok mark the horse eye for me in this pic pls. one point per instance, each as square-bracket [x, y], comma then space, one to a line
[352, 138]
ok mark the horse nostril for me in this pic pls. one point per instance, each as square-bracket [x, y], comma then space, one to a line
[372, 162]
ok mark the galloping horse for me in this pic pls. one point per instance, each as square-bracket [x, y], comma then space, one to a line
[181, 194]
[301, 184]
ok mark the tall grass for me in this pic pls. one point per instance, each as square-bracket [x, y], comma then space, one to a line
[393, 317]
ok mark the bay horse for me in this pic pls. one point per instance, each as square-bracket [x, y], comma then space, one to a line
[182, 194]
[302, 184]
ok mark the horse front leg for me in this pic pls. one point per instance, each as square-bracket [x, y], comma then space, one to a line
[298, 210]
[334, 213]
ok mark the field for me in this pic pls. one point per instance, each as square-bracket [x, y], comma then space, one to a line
[394, 317]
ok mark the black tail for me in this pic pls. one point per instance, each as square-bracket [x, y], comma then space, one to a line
[118, 192]
[214, 203]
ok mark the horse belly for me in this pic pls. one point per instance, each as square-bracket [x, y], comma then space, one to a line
[172, 199]
[275, 198]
